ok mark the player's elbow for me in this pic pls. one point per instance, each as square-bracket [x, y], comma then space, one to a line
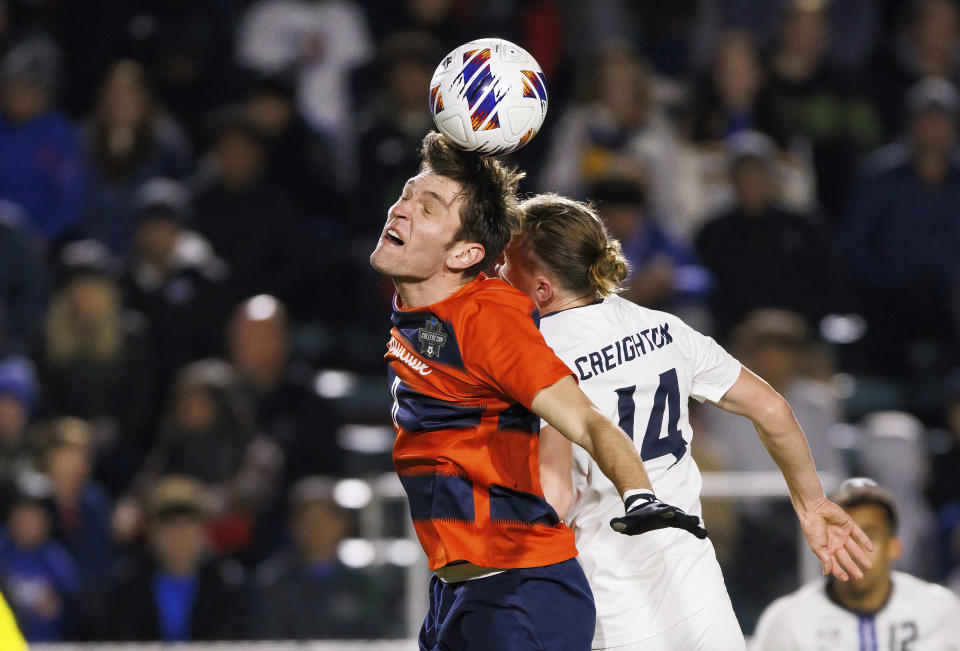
[774, 413]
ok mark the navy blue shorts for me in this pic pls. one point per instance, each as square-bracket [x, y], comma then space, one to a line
[539, 608]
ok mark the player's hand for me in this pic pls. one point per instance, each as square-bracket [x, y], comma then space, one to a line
[835, 538]
[646, 513]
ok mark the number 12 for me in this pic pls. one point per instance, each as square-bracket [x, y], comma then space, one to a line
[667, 396]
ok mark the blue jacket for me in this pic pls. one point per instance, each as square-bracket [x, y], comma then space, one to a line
[42, 170]
[899, 232]
[24, 572]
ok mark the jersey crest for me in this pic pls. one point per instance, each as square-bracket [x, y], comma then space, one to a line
[432, 337]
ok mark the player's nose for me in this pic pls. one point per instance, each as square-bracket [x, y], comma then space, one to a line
[399, 210]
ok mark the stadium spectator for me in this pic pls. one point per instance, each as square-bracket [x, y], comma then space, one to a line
[760, 254]
[80, 507]
[733, 97]
[95, 360]
[885, 607]
[175, 279]
[323, 41]
[287, 409]
[179, 592]
[187, 50]
[925, 44]
[41, 167]
[825, 105]
[38, 574]
[394, 123]
[300, 160]
[208, 433]
[22, 280]
[251, 223]
[128, 140]
[900, 239]
[308, 578]
[618, 129]
[664, 273]
[19, 395]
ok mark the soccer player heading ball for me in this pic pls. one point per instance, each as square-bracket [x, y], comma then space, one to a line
[471, 376]
[640, 367]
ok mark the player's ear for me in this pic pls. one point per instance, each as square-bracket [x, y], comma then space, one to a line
[463, 255]
[543, 291]
[894, 549]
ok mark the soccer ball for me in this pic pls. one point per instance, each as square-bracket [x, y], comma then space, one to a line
[488, 96]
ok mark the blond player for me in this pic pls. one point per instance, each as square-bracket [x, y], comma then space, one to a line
[640, 367]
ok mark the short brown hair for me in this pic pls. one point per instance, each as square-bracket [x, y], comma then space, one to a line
[572, 242]
[490, 212]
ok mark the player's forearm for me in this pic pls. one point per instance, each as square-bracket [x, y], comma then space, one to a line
[780, 432]
[782, 436]
[565, 408]
[615, 454]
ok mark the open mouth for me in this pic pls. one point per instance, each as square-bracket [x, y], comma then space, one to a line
[392, 236]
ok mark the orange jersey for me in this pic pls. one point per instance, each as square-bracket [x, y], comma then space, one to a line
[463, 372]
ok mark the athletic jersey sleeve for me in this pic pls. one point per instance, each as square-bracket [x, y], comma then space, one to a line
[515, 359]
[773, 632]
[714, 370]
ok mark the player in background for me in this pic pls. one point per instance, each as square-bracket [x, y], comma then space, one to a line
[640, 367]
[470, 376]
[885, 610]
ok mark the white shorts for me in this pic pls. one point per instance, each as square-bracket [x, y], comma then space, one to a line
[712, 628]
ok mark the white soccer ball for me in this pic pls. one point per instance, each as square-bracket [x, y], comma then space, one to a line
[488, 96]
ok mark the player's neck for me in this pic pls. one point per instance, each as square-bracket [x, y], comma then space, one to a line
[559, 303]
[421, 293]
[869, 602]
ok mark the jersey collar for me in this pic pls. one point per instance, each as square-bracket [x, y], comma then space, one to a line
[828, 588]
[595, 302]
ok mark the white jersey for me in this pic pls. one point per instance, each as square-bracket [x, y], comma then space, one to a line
[640, 367]
[919, 616]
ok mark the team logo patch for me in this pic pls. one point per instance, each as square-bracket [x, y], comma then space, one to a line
[432, 337]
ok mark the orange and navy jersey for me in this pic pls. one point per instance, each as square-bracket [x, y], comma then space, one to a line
[463, 372]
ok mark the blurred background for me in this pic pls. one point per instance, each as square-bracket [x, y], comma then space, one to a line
[191, 339]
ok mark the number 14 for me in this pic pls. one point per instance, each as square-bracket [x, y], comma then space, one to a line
[666, 397]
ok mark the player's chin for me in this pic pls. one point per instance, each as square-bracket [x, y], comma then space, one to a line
[380, 260]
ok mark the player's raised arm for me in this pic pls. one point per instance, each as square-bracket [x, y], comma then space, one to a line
[567, 409]
[833, 536]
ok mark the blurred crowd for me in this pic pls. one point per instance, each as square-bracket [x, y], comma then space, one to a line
[190, 332]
